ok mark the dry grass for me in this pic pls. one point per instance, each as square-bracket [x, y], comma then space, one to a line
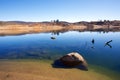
[42, 70]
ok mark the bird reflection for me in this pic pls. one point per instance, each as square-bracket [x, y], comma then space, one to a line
[93, 41]
[107, 43]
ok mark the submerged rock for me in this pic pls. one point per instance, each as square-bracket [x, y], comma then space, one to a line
[53, 38]
[72, 60]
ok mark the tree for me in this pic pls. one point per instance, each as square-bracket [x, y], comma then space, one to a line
[57, 21]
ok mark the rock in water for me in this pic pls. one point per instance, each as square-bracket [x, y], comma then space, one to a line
[53, 38]
[74, 59]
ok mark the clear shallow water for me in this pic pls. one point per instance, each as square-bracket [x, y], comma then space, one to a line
[41, 46]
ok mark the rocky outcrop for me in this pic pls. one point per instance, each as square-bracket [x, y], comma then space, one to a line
[72, 60]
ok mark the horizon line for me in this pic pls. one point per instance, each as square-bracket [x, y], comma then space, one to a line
[57, 19]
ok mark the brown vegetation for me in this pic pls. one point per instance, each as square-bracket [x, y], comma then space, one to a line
[17, 27]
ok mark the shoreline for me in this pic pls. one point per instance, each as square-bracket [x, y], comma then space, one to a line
[42, 69]
[18, 28]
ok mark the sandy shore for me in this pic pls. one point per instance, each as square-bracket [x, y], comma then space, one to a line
[42, 70]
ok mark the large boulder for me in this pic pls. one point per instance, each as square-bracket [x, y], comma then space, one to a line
[74, 59]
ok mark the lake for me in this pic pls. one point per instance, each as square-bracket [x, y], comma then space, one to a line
[53, 45]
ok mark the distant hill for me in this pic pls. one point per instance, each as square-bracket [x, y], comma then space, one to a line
[20, 27]
[105, 22]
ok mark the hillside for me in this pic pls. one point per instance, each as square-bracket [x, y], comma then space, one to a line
[20, 27]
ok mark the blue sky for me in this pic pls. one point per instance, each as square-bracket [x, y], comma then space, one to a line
[64, 10]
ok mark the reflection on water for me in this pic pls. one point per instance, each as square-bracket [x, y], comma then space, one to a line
[91, 45]
[93, 41]
[108, 44]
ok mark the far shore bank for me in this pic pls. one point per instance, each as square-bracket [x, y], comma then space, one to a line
[17, 27]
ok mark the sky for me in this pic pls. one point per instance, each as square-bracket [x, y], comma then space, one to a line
[64, 10]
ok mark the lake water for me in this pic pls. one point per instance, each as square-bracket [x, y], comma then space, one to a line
[41, 46]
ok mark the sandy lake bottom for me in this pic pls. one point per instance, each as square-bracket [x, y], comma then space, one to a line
[42, 70]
